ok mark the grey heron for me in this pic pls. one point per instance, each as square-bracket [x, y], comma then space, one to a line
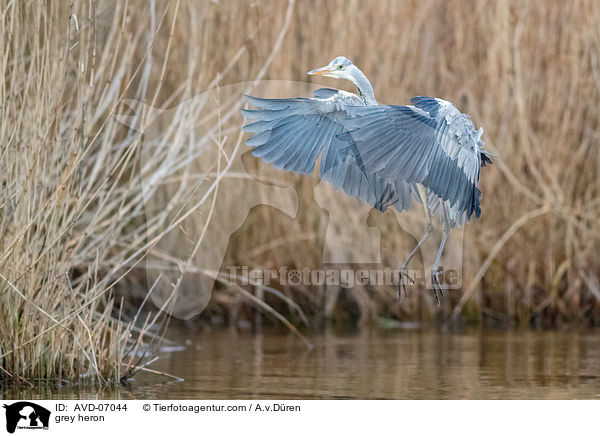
[428, 152]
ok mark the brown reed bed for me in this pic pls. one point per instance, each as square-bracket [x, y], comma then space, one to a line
[80, 219]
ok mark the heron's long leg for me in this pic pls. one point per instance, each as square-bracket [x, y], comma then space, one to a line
[402, 271]
[435, 279]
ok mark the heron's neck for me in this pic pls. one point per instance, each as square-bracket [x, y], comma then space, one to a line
[364, 86]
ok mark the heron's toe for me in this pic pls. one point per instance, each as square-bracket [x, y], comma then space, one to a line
[436, 285]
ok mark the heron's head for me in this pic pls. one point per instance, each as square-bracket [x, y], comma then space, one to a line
[340, 68]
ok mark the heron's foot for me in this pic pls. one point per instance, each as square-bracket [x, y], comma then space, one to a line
[403, 275]
[436, 285]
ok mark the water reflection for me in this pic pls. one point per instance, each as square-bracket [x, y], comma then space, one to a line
[370, 364]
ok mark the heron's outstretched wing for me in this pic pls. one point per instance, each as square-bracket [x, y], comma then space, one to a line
[292, 133]
[431, 143]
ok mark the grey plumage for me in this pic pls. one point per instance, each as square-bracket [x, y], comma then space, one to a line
[431, 143]
[291, 133]
[384, 155]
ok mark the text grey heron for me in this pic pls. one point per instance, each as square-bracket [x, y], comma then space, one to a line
[386, 155]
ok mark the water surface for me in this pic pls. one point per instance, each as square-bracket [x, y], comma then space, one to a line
[414, 364]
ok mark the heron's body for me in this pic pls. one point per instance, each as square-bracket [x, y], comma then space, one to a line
[384, 155]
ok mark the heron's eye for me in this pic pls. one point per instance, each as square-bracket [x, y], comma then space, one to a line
[339, 67]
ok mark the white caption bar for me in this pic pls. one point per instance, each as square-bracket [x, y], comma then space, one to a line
[280, 417]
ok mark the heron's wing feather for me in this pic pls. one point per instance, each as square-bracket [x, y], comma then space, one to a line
[325, 93]
[431, 143]
[343, 169]
[292, 133]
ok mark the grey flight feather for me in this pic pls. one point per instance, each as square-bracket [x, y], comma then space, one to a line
[431, 143]
[291, 133]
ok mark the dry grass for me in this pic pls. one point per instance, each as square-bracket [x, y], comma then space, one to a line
[79, 209]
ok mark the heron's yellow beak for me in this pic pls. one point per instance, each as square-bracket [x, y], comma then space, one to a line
[320, 71]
